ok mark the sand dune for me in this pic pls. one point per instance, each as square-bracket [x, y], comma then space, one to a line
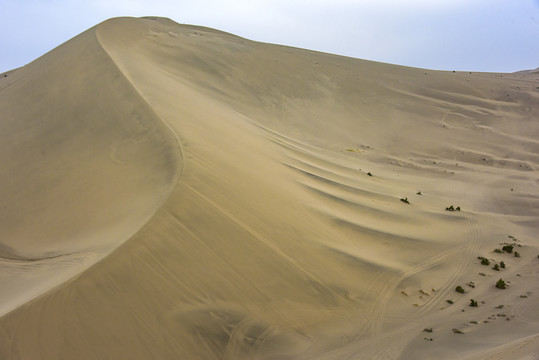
[177, 192]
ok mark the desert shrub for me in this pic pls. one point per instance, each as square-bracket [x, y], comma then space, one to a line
[405, 200]
[369, 173]
[517, 254]
[484, 260]
[473, 303]
[459, 289]
[450, 302]
[419, 193]
[429, 330]
[450, 208]
[496, 267]
[497, 251]
[502, 265]
[508, 248]
[500, 284]
[457, 331]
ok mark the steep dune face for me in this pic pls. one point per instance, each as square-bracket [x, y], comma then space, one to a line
[284, 236]
[85, 164]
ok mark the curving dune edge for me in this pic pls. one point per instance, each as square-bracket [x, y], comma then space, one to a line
[172, 191]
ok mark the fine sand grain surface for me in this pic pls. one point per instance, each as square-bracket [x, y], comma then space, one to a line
[176, 192]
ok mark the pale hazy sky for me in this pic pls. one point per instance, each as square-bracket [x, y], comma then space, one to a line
[475, 35]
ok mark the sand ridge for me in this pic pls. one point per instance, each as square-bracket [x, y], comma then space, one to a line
[268, 184]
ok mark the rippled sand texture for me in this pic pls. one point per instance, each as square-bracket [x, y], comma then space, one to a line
[176, 192]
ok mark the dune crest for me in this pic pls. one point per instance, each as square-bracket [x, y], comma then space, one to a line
[310, 218]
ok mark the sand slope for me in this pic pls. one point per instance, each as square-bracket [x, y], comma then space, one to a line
[86, 162]
[239, 172]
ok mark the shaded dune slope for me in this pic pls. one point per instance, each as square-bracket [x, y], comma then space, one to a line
[273, 242]
[85, 164]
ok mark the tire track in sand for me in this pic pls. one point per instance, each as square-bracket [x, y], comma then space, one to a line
[396, 340]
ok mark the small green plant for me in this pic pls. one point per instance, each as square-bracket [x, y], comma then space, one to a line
[508, 248]
[452, 208]
[500, 284]
[457, 331]
[419, 193]
[369, 173]
[405, 200]
[450, 302]
[497, 251]
[429, 330]
[517, 254]
[499, 307]
[484, 260]
[496, 267]
[459, 289]
[473, 303]
[502, 265]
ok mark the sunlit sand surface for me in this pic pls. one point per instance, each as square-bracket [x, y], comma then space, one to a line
[176, 192]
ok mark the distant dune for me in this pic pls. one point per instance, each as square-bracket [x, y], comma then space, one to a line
[176, 192]
[534, 71]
